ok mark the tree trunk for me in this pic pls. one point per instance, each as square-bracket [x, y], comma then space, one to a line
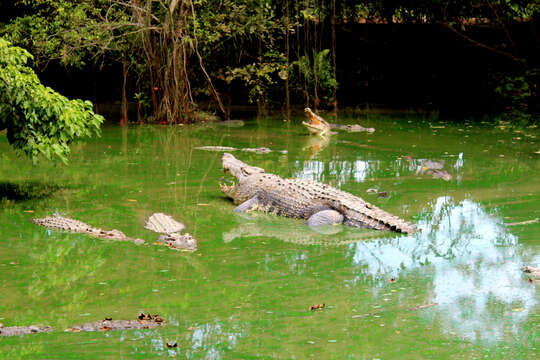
[334, 67]
[287, 50]
[124, 107]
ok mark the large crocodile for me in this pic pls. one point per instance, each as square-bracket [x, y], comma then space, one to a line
[320, 204]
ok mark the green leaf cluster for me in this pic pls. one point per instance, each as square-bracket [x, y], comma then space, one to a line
[316, 71]
[39, 120]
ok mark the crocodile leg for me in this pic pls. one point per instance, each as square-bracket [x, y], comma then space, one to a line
[325, 217]
[247, 205]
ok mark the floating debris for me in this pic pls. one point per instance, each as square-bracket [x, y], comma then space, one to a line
[526, 222]
[534, 271]
[418, 307]
[317, 307]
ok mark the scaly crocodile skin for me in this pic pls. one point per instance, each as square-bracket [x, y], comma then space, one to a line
[300, 198]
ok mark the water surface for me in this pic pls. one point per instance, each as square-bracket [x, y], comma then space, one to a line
[247, 290]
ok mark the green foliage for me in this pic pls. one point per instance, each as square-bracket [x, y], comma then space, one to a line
[317, 72]
[39, 120]
[258, 77]
[515, 93]
[68, 31]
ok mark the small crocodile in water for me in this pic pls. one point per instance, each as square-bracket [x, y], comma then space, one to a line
[430, 167]
[143, 322]
[318, 126]
[319, 203]
[170, 228]
[23, 330]
[58, 222]
[260, 150]
[352, 128]
[158, 222]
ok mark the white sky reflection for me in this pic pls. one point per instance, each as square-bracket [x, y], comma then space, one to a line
[475, 265]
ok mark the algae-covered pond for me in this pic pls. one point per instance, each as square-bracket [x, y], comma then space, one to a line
[453, 290]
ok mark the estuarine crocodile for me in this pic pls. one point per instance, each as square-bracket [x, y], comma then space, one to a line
[58, 222]
[158, 222]
[143, 322]
[319, 203]
[259, 150]
[23, 330]
[318, 126]
[170, 228]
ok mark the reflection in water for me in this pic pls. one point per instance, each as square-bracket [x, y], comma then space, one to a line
[314, 145]
[464, 233]
[294, 231]
[204, 338]
[339, 171]
[475, 265]
[214, 339]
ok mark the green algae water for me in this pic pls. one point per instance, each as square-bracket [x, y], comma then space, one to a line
[453, 290]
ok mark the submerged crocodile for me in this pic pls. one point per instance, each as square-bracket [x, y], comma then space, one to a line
[320, 204]
[158, 222]
[23, 330]
[259, 150]
[143, 322]
[170, 228]
[58, 222]
[318, 126]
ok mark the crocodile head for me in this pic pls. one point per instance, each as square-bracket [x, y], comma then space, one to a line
[239, 170]
[316, 125]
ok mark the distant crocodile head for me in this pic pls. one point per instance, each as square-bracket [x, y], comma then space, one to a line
[240, 171]
[316, 125]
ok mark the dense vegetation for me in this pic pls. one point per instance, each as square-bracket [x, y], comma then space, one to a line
[39, 121]
[178, 56]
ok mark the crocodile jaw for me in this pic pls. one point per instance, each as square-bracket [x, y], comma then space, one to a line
[229, 190]
[316, 124]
